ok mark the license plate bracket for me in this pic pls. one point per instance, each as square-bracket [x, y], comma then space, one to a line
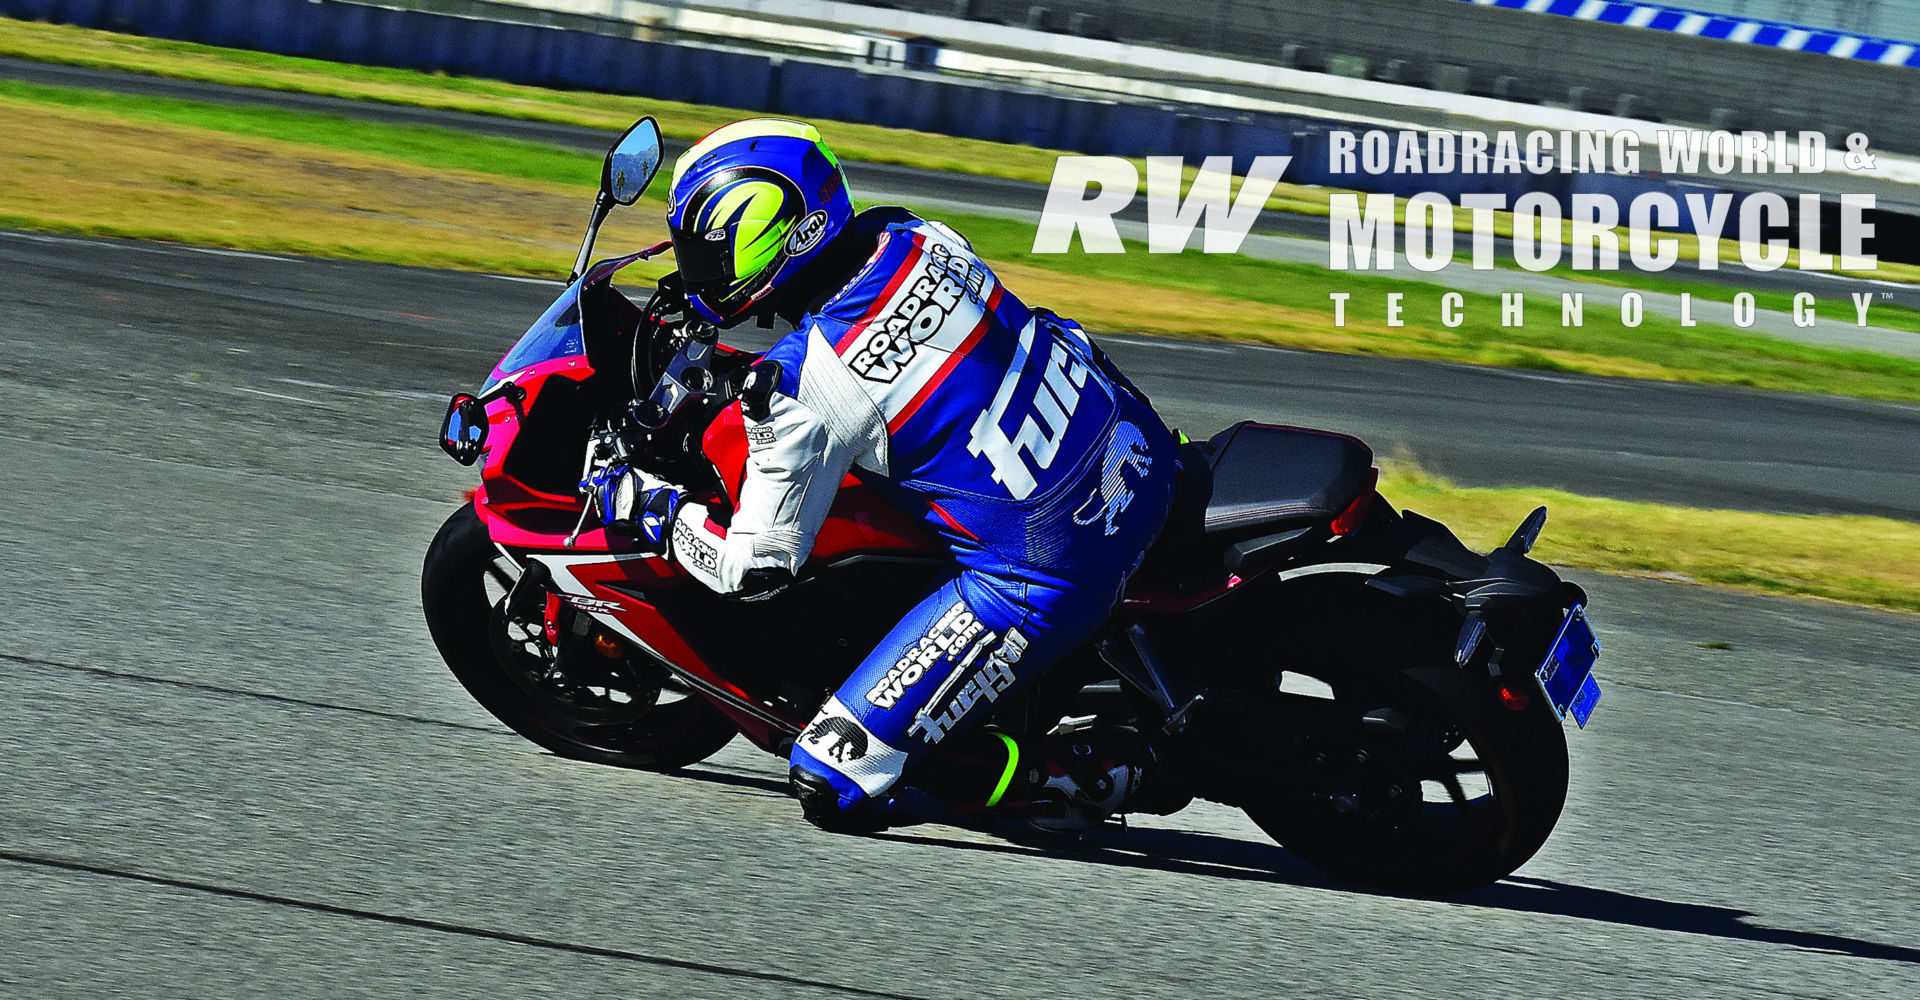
[1567, 671]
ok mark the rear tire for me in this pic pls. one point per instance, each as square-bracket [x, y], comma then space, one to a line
[1385, 834]
[574, 718]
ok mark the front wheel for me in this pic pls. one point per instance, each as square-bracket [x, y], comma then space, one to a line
[1446, 789]
[588, 697]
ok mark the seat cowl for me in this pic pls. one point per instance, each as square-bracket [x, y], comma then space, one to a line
[1269, 478]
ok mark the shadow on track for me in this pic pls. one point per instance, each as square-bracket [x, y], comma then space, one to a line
[1221, 857]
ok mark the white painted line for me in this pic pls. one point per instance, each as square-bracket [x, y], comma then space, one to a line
[277, 395]
[1532, 376]
[219, 252]
[160, 248]
[521, 280]
[1170, 345]
[402, 393]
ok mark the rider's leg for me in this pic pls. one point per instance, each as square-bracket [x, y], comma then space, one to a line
[929, 686]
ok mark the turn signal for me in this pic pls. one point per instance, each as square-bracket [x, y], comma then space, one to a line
[606, 645]
[1515, 700]
[1349, 520]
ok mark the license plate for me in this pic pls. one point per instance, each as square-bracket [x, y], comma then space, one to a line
[1567, 672]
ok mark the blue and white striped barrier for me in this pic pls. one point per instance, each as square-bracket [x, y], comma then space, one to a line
[1773, 34]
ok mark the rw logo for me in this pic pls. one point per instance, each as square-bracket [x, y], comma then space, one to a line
[1223, 221]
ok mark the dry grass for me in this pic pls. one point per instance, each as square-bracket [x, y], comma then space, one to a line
[1860, 560]
[96, 173]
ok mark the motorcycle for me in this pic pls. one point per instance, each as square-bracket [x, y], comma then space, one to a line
[1383, 701]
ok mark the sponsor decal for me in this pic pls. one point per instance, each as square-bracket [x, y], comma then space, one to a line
[1126, 452]
[594, 605]
[994, 678]
[691, 549]
[715, 236]
[892, 340]
[953, 635]
[807, 234]
[836, 737]
[759, 435]
[1043, 419]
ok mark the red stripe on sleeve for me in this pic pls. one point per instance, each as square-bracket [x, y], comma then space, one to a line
[900, 276]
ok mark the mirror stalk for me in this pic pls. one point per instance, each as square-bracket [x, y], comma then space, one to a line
[602, 205]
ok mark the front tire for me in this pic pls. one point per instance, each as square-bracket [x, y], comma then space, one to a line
[625, 710]
[1394, 829]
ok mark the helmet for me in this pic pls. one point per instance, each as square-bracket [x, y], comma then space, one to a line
[750, 204]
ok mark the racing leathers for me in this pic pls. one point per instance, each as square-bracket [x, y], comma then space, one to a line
[1005, 428]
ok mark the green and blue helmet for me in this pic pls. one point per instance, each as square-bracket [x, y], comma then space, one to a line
[750, 204]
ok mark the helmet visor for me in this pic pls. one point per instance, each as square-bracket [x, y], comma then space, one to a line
[705, 259]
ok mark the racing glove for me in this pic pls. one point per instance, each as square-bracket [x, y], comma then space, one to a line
[636, 505]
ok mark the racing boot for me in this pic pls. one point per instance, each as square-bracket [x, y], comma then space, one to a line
[1082, 779]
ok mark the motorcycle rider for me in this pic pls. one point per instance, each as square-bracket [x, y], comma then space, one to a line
[1003, 426]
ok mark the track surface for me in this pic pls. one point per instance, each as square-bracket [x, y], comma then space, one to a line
[235, 767]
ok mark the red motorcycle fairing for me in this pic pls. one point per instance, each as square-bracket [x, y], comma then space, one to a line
[614, 587]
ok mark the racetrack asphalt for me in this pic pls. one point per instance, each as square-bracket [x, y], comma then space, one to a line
[235, 767]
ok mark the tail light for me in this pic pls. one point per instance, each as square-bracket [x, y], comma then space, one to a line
[1514, 698]
[1349, 520]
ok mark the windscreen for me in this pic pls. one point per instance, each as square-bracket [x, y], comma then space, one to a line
[556, 334]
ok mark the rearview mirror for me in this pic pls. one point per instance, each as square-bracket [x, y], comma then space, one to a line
[632, 162]
[464, 431]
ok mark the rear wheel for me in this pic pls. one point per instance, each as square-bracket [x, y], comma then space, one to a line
[588, 696]
[1443, 788]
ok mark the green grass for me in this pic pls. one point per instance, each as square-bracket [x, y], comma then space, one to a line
[424, 145]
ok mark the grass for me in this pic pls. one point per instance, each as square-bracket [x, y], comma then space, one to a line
[1859, 560]
[73, 46]
[448, 198]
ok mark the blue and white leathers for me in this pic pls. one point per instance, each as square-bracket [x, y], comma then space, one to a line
[1046, 476]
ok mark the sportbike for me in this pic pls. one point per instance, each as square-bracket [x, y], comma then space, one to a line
[1384, 701]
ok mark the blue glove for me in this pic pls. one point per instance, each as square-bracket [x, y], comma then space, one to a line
[636, 505]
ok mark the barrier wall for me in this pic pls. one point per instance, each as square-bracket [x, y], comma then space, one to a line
[1664, 75]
